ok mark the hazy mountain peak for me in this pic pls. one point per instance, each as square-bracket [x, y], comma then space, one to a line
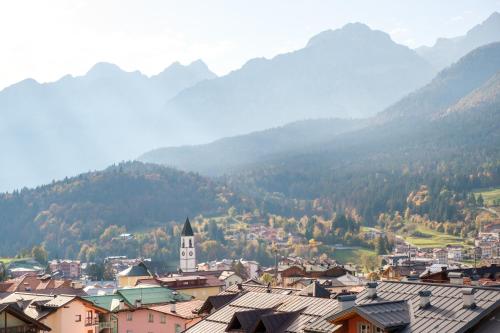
[198, 64]
[350, 32]
[493, 18]
[104, 69]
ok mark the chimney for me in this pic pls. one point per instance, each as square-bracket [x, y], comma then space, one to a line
[172, 307]
[346, 301]
[268, 290]
[122, 305]
[456, 278]
[19, 303]
[371, 289]
[240, 286]
[468, 296]
[138, 303]
[425, 298]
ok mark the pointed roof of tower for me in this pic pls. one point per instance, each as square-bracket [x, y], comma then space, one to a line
[187, 230]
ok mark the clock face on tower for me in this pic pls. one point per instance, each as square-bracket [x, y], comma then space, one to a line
[190, 253]
[183, 253]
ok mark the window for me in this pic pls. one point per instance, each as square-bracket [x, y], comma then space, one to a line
[190, 243]
[78, 318]
[178, 328]
[151, 317]
[129, 316]
[88, 318]
[364, 328]
[129, 331]
[163, 319]
[378, 330]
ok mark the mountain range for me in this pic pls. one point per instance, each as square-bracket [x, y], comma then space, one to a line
[84, 123]
[77, 124]
[448, 50]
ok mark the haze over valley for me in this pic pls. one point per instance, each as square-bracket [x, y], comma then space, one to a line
[346, 75]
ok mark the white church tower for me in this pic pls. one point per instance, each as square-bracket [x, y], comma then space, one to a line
[188, 252]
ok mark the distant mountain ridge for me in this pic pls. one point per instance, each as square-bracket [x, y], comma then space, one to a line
[350, 72]
[451, 84]
[448, 50]
[86, 122]
[226, 155]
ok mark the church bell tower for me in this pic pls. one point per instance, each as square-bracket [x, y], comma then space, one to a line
[187, 251]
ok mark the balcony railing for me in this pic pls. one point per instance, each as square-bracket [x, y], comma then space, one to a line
[106, 324]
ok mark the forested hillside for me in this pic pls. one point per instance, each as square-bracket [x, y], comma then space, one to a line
[130, 196]
[435, 137]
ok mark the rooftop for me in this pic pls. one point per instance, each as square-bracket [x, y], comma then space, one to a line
[186, 310]
[446, 312]
[139, 269]
[307, 309]
[147, 296]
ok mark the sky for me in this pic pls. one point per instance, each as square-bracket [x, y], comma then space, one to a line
[47, 39]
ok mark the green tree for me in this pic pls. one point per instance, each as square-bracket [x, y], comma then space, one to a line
[480, 200]
[39, 253]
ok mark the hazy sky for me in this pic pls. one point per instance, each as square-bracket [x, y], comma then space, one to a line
[46, 39]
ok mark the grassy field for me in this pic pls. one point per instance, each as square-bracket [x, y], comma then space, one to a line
[7, 260]
[433, 238]
[351, 255]
[489, 195]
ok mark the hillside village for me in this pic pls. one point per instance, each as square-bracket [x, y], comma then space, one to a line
[251, 297]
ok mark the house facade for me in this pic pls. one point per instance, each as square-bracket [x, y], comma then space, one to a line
[61, 313]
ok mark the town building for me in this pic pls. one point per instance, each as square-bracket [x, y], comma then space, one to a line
[230, 278]
[287, 275]
[130, 276]
[70, 269]
[440, 256]
[198, 286]
[14, 320]
[187, 249]
[480, 276]
[455, 252]
[489, 244]
[62, 313]
[148, 309]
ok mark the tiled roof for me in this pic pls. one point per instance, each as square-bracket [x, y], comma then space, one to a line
[309, 310]
[187, 310]
[445, 314]
[33, 283]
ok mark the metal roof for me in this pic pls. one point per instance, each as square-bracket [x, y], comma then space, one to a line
[308, 309]
[385, 315]
[446, 312]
